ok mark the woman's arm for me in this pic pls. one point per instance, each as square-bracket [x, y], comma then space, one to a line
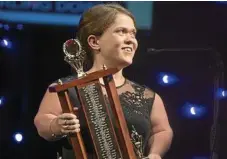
[48, 111]
[162, 133]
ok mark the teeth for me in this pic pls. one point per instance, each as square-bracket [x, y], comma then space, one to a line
[127, 49]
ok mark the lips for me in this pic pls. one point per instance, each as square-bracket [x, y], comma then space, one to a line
[128, 49]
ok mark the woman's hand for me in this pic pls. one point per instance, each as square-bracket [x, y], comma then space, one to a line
[65, 124]
[154, 156]
[68, 123]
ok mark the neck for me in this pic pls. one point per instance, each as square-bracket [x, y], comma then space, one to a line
[118, 76]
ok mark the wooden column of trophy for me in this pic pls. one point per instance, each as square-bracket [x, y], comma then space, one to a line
[110, 136]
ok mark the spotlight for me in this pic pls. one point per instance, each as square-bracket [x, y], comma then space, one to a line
[166, 79]
[2, 100]
[221, 93]
[18, 137]
[193, 110]
[6, 43]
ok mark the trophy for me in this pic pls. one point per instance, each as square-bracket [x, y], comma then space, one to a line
[110, 135]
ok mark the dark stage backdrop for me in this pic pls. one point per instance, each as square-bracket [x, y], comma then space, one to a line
[36, 60]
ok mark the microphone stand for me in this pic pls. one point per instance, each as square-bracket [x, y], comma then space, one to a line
[218, 82]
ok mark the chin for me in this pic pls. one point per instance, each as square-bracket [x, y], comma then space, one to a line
[126, 63]
[129, 61]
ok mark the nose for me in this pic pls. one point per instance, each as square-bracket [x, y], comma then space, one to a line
[131, 40]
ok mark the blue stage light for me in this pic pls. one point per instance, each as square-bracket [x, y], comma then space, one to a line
[221, 93]
[166, 79]
[18, 137]
[2, 100]
[6, 43]
[195, 111]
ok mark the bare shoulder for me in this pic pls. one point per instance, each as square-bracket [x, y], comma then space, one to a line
[50, 103]
[158, 106]
[158, 99]
[159, 116]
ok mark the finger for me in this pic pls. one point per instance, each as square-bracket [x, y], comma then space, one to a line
[77, 130]
[71, 122]
[68, 122]
[62, 122]
[67, 116]
[71, 127]
[74, 131]
[69, 132]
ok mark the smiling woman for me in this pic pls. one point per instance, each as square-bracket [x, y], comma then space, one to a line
[107, 33]
[116, 47]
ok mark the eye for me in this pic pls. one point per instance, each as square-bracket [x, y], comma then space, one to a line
[121, 31]
[133, 33]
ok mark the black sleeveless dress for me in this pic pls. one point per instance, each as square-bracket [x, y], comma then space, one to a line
[136, 102]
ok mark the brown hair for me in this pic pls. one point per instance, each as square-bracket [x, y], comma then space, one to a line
[95, 21]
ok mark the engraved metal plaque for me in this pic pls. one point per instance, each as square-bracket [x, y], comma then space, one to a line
[99, 122]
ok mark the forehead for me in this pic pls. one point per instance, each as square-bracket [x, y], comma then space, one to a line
[123, 20]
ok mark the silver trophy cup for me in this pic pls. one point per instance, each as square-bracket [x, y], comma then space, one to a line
[75, 55]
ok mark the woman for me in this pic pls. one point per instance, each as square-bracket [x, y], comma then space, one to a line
[107, 33]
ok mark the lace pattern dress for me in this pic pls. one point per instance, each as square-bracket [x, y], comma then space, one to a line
[136, 102]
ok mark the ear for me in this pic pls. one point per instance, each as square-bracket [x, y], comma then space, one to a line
[93, 42]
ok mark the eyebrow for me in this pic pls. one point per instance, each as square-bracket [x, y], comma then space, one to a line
[133, 29]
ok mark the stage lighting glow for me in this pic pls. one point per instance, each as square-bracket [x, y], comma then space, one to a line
[18, 137]
[2, 99]
[190, 110]
[166, 79]
[6, 27]
[221, 93]
[19, 26]
[6, 43]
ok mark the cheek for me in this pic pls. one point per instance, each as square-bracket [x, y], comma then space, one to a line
[115, 45]
[112, 44]
[136, 44]
[117, 40]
